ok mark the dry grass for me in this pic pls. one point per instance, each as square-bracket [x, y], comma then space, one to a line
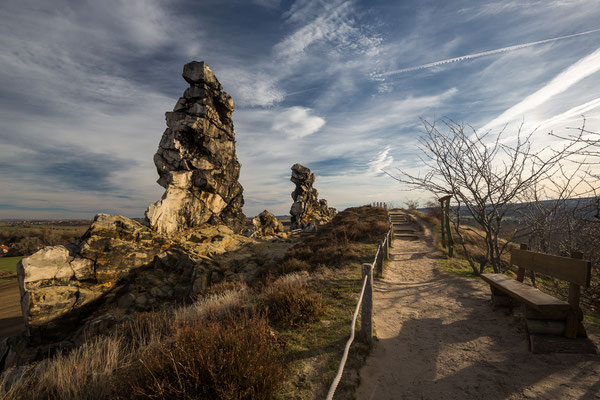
[85, 373]
[338, 243]
[223, 305]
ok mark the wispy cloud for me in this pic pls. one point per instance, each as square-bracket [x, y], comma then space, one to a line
[577, 112]
[383, 160]
[297, 122]
[484, 53]
[581, 69]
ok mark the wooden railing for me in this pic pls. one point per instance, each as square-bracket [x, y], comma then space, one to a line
[365, 300]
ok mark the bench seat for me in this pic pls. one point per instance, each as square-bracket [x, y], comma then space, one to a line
[529, 295]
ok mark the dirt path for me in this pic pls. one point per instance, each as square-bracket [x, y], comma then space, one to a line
[11, 321]
[440, 339]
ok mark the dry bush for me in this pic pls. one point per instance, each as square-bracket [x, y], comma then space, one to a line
[227, 359]
[290, 301]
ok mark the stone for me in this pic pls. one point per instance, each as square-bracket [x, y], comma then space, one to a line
[307, 210]
[197, 72]
[51, 263]
[119, 264]
[266, 225]
[196, 160]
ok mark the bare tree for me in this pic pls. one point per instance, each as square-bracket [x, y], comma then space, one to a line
[485, 175]
[411, 204]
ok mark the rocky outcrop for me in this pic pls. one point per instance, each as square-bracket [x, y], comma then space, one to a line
[266, 225]
[196, 159]
[307, 210]
[120, 266]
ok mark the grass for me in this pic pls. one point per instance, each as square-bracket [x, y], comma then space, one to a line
[459, 267]
[8, 268]
[313, 350]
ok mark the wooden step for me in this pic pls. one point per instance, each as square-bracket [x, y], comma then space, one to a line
[407, 231]
[403, 236]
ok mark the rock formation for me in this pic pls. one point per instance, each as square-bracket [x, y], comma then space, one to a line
[119, 265]
[196, 159]
[266, 225]
[307, 211]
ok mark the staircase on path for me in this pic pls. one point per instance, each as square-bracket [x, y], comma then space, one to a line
[403, 225]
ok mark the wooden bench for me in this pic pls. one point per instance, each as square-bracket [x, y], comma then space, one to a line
[544, 314]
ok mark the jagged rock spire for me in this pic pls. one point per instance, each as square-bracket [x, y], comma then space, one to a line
[196, 159]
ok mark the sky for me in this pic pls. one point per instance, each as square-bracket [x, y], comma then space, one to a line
[339, 86]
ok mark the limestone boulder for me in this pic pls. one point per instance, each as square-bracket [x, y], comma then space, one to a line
[60, 285]
[119, 266]
[266, 225]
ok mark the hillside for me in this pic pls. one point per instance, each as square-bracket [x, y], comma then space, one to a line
[280, 336]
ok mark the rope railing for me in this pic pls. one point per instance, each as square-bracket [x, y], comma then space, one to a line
[365, 300]
[340, 370]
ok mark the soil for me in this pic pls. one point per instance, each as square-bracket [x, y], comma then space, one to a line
[438, 337]
[11, 321]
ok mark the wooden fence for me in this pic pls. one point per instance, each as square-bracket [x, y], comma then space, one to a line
[365, 300]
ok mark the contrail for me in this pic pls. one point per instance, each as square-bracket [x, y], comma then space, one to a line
[483, 54]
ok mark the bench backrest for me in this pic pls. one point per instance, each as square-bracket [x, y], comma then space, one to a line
[564, 268]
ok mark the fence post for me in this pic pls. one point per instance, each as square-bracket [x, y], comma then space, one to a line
[379, 259]
[366, 315]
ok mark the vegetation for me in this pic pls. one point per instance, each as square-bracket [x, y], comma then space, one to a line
[339, 243]
[27, 239]
[488, 175]
[8, 268]
[281, 337]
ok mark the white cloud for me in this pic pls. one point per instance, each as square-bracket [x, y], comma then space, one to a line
[251, 88]
[383, 160]
[583, 68]
[297, 122]
[573, 113]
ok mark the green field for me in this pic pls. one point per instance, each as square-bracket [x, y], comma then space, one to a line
[8, 265]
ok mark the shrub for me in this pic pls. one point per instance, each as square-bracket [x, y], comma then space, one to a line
[289, 301]
[294, 265]
[227, 359]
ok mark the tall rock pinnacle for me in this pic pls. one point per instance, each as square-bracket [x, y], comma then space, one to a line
[196, 159]
[307, 210]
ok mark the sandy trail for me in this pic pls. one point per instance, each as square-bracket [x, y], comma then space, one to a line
[11, 321]
[438, 338]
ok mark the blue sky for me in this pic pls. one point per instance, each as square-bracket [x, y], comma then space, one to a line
[84, 86]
